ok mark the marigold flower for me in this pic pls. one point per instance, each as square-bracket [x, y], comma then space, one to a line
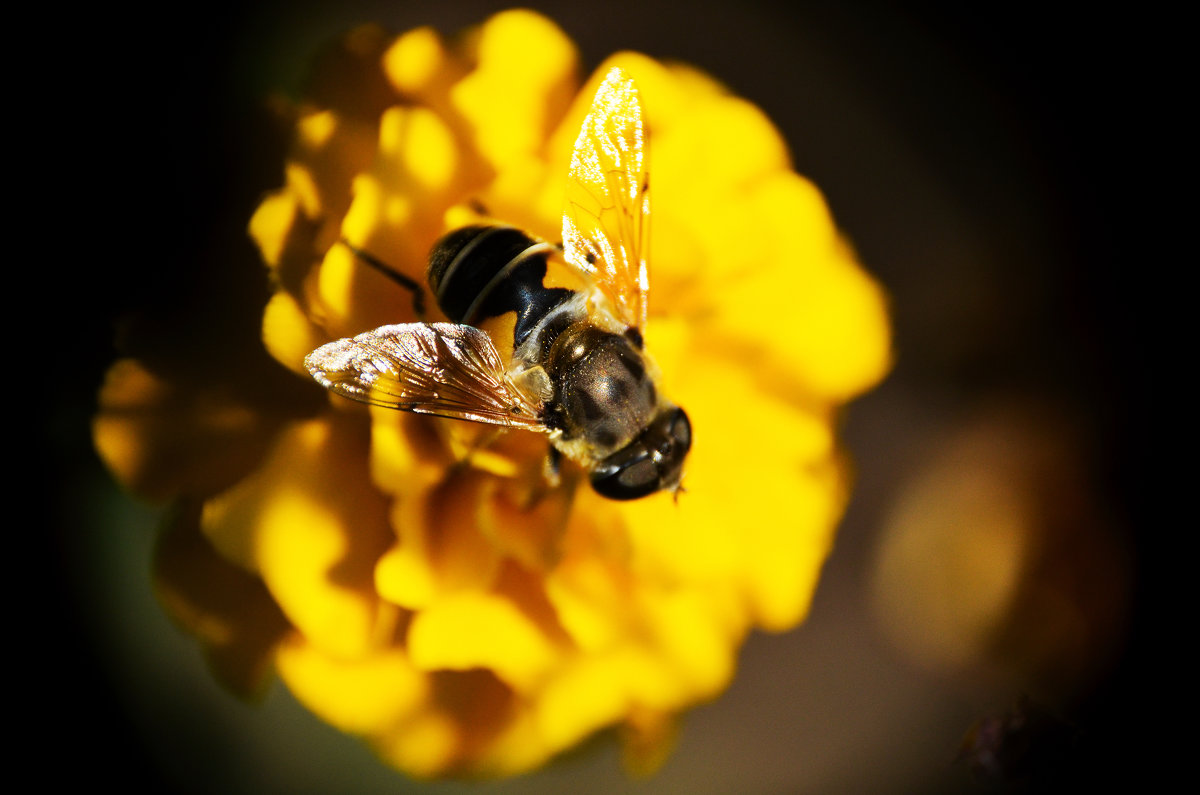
[411, 579]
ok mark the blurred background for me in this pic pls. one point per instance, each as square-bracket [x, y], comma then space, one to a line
[987, 586]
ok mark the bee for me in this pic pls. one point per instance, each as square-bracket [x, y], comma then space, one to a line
[543, 338]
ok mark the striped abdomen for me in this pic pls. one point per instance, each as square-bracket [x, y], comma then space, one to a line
[479, 273]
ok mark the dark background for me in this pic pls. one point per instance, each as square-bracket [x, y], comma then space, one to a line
[987, 166]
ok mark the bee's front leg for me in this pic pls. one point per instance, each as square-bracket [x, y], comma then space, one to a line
[552, 468]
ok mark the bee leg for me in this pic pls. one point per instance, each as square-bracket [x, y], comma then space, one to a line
[418, 294]
[552, 467]
[473, 453]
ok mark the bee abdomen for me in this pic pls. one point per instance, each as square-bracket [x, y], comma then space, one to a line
[463, 263]
[481, 272]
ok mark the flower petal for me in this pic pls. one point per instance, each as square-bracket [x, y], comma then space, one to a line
[476, 630]
[366, 695]
[228, 609]
[162, 439]
[310, 524]
[517, 92]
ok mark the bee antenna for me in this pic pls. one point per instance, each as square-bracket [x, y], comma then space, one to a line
[418, 294]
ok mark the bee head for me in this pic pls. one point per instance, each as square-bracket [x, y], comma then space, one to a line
[651, 462]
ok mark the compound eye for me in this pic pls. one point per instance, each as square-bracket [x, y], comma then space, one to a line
[651, 462]
[627, 474]
[679, 436]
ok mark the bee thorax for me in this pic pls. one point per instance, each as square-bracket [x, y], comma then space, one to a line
[604, 395]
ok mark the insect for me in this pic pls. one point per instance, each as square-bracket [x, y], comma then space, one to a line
[543, 339]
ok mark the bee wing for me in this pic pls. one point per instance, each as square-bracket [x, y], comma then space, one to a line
[438, 368]
[607, 210]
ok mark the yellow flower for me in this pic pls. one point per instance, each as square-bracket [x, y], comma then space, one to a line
[411, 579]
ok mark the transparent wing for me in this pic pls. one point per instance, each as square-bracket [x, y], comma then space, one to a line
[439, 368]
[607, 209]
